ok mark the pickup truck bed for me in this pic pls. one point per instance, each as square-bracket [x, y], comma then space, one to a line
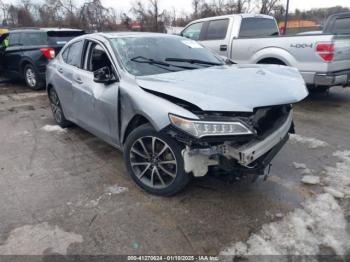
[323, 60]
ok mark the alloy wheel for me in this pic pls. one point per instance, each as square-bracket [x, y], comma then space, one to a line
[153, 162]
[31, 77]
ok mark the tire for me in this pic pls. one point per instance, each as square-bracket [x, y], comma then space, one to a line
[164, 163]
[32, 79]
[57, 109]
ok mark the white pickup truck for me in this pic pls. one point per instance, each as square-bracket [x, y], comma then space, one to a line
[323, 58]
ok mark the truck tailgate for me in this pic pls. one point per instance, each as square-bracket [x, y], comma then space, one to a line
[341, 59]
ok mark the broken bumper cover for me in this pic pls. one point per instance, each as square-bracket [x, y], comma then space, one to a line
[198, 160]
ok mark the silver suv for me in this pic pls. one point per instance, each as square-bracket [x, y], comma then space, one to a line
[174, 108]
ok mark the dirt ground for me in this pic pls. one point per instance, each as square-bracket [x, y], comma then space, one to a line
[67, 191]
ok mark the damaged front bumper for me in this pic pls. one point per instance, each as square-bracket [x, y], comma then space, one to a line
[252, 157]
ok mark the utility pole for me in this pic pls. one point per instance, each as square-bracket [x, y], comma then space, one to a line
[286, 18]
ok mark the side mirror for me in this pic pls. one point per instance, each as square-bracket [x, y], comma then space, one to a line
[104, 75]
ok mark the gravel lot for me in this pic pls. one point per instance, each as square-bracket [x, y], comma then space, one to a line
[67, 192]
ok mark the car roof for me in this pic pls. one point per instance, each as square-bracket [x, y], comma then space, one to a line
[232, 15]
[341, 15]
[44, 29]
[133, 34]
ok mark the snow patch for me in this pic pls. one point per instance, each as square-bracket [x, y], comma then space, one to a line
[334, 192]
[338, 177]
[321, 223]
[312, 143]
[311, 180]
[51, 128]
[108, 192]
[301, 232]
[299, 165]
[36, 239]
[115, 190]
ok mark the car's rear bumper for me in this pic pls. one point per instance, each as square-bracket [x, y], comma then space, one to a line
[253, 156]
[340, 78]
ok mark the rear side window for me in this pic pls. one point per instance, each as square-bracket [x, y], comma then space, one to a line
[258, 27]
[73, 56]
[217, 29]
[36, 38]
[60, 38]
[342, 26]
[14, 39]
[193, 31]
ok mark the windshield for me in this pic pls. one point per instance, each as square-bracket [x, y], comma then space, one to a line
[157, 55]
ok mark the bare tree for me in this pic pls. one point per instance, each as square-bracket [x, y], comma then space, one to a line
[267, 6]
[151, 18]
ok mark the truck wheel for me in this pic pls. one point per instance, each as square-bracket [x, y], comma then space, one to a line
[31, 78]
[57, 109]
[155, 162]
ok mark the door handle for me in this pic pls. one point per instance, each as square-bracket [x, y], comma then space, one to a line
[223, 48]
[60, 70]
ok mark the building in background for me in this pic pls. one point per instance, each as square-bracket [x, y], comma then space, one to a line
[299, 26]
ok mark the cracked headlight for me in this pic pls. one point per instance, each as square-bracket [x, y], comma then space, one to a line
[200, 128]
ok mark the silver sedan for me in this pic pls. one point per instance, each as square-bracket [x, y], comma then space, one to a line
[174, 108]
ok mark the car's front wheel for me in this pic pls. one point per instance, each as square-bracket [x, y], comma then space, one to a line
[32, 78]
[154, 161]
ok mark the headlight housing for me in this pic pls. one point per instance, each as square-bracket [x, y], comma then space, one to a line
[199, 129]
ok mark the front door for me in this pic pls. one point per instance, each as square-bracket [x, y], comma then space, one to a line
[97, 103]
[13, 54]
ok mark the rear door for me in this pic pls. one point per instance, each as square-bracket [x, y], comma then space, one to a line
[70, 61]
[216, 36]
[32, 42]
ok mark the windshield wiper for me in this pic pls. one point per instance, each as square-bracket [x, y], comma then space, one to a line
[192, 61]
[145, 60]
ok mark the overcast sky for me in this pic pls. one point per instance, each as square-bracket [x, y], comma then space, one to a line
[185, 5]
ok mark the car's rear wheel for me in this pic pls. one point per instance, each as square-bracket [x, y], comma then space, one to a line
[57, 109]
[32, 78]
[154, 161]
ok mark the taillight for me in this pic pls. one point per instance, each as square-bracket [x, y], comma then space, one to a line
[49, 53]
[326, 51]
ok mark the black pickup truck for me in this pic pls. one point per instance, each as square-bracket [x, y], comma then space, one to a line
[24, 53]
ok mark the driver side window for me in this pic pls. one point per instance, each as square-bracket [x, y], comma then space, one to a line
[193, 31]
[98, 58]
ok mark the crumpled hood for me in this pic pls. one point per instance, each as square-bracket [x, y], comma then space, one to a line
[236, 88]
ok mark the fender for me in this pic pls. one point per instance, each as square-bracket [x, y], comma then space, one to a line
[275, 53]
[139, 102]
